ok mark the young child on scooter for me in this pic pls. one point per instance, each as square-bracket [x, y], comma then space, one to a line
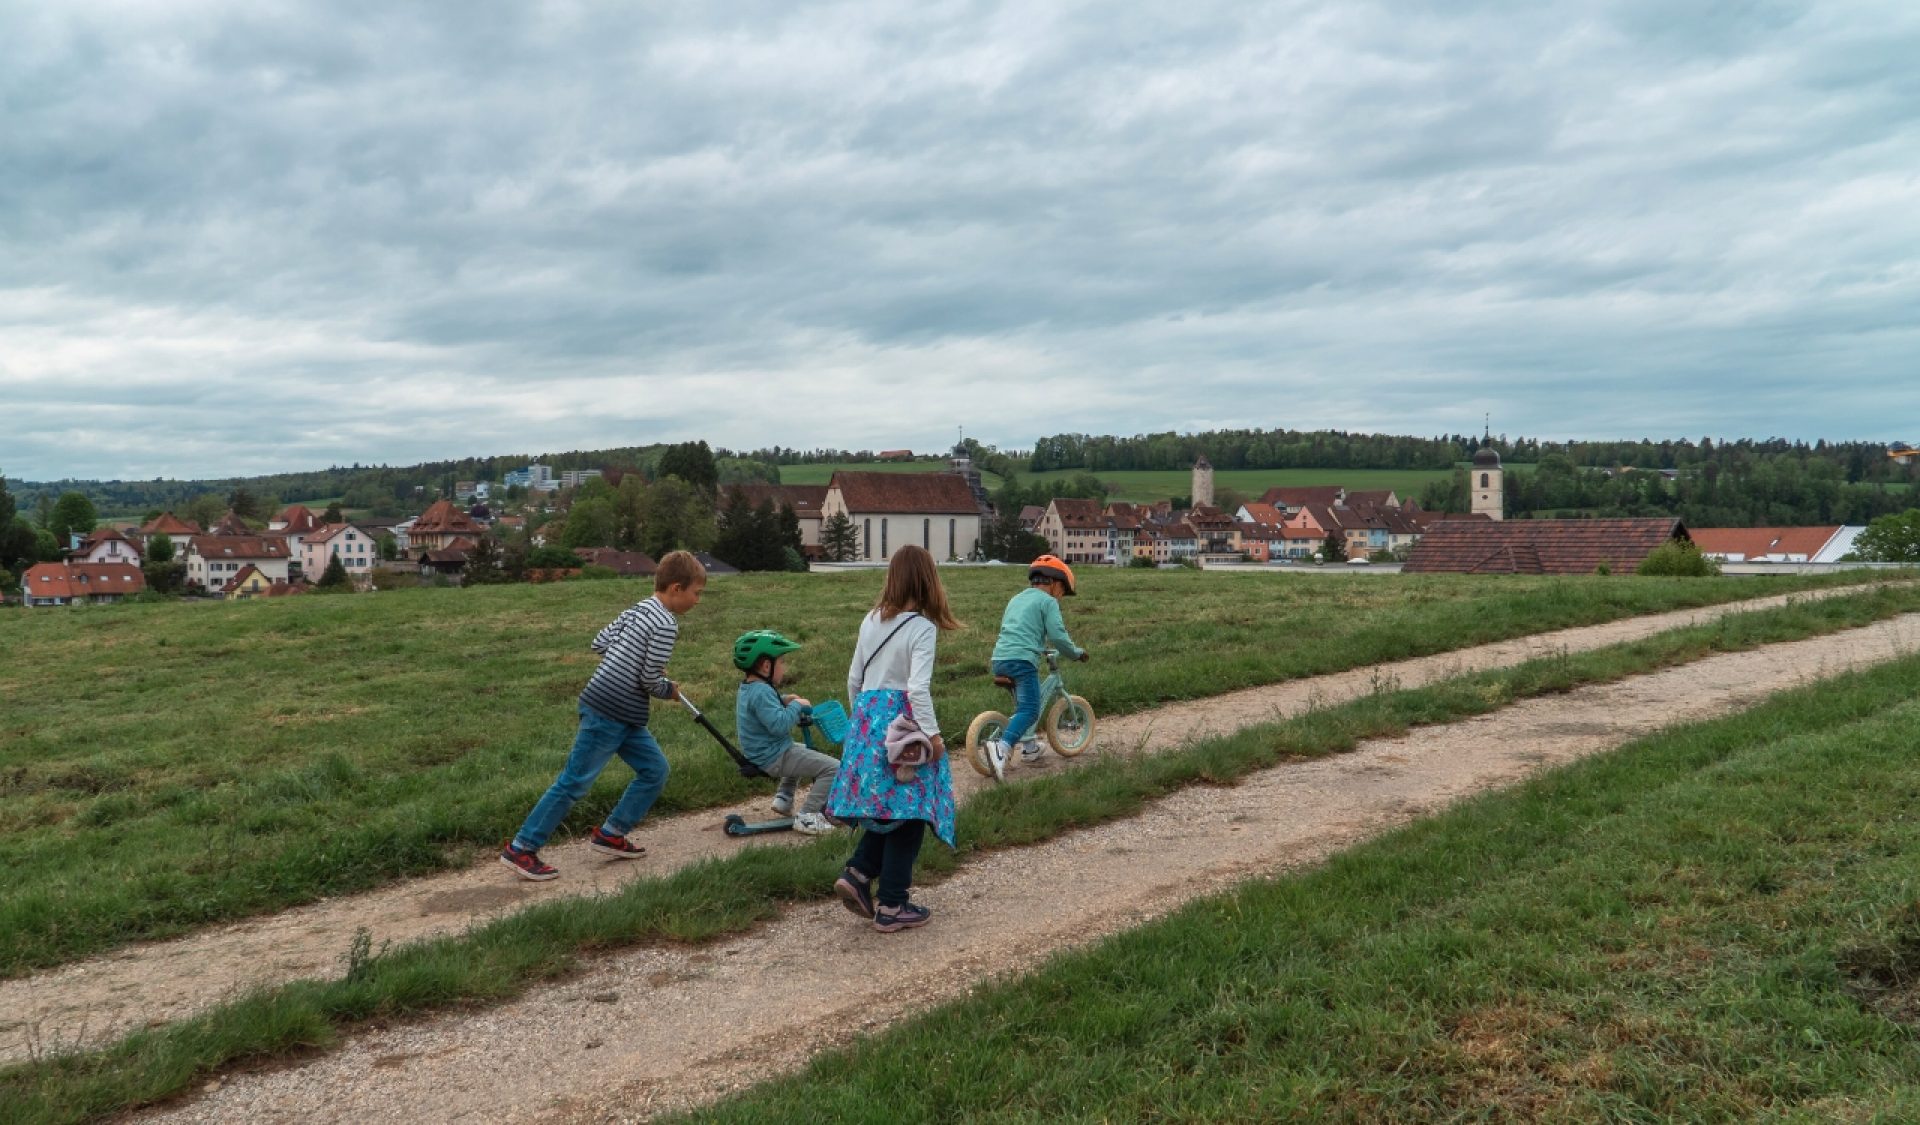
[764, 720]
[1031, 624]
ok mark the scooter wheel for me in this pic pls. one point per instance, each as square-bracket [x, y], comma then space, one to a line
[734, 824]
[1069, 726]
[986, 726]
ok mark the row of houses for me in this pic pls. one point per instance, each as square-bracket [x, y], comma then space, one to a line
[1284, 524]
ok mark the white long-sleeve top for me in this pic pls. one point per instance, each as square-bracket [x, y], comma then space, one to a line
[904, 664]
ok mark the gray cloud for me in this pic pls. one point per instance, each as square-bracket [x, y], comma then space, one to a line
[242, 237]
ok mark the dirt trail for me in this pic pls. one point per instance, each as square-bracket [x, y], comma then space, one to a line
[100, 999]
[663, 1028]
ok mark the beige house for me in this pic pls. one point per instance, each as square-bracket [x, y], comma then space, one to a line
[439, 526]
[937, 511]
[1076, 531]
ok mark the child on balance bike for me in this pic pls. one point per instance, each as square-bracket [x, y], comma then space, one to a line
[1031, 624]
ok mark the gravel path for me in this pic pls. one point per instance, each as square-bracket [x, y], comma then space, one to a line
[97, 1000]
[658, 1029]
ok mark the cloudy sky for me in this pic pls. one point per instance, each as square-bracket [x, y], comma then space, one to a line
[249, 236]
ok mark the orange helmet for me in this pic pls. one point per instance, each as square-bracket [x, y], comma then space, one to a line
[1047, 568]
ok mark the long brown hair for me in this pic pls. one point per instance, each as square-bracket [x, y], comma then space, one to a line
[913, 582]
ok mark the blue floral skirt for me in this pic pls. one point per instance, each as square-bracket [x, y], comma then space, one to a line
[866, 791]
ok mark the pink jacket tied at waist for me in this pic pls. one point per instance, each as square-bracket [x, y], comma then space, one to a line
[908, 748]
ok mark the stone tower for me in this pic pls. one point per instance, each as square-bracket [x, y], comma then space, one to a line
[1202, 482]
[1489, 496]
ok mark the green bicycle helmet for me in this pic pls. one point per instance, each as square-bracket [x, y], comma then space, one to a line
[748, 650]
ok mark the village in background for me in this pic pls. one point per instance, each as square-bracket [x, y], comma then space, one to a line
[1546, 515]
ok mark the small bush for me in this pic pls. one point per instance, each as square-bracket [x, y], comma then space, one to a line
[1679, 559]
[1142, 562]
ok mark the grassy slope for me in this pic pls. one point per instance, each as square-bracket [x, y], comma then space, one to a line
[501, 958]
[1717, 923]
[822, 473]
[164, 767]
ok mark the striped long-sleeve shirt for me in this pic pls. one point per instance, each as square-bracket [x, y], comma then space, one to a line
[633, 663]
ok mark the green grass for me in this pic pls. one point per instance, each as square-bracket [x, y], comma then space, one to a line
[822, 473]
[1147, 486]
[1715, 924]
[723, 896]
[166, 767]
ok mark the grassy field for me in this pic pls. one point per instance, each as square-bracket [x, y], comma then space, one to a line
[821, 474]
[1253, 483]
[169, 766]
[1714, 924]
[502, 958]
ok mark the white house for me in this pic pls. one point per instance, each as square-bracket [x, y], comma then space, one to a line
[106, 545]
[214, 560]
[936, 510]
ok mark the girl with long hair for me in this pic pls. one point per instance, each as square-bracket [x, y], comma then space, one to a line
[890, 682]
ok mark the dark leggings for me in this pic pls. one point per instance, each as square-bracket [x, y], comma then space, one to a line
[890, 856]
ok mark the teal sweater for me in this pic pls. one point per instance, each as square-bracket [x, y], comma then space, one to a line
[763, 723]
[1032, 623]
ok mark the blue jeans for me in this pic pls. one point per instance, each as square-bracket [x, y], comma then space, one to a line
[1026, 697]
[599, 739]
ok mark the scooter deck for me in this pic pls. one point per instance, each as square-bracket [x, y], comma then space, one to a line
[737, 825]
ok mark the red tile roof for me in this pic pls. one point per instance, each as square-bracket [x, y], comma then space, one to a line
[241, 575]
[1373, 499]
[1081, 515]
[239, 547]
[443, 518]
[1757, 542]
[936, 493]
[1265, 513]
[166, 523]
[1539, 546]
[804, 499]
[230, 524]
[82, 580]
[298, 518]
[629, 563]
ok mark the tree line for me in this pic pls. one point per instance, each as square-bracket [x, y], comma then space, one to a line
[1742, 490]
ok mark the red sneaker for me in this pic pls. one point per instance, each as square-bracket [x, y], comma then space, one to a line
[527, 864]
[619, 847]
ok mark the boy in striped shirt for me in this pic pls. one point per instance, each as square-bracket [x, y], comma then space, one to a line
[613, 720]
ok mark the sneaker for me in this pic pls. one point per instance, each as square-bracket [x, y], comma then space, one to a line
[783, 804]
[527, 864]
[855, 892]
[1031, 751]
[997, 759]
[812, 824]
[905, 918]
[619, 847]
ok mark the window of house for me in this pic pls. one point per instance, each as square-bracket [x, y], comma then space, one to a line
[953, 532]
[926, 534]
[883, 538]
[866, 538]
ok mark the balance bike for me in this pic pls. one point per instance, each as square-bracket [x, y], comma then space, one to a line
[1067, 721]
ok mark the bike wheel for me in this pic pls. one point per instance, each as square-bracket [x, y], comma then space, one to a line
[987, 726]
[1069, 726]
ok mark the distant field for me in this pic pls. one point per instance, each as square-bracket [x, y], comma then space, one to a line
[820, 474]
